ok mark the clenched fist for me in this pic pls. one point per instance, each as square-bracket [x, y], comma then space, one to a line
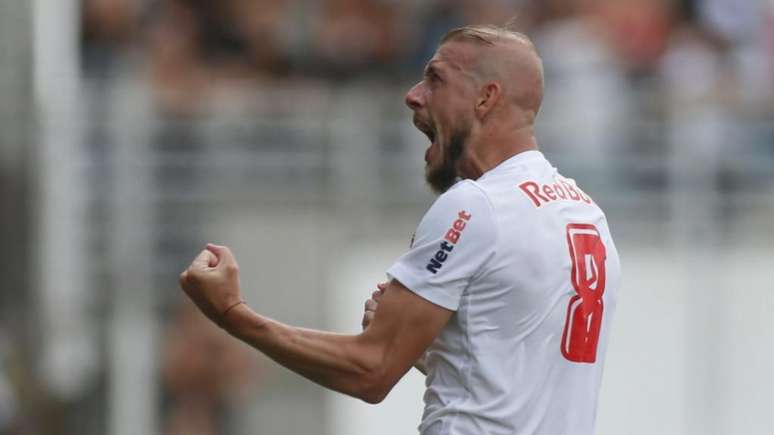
[212, 282]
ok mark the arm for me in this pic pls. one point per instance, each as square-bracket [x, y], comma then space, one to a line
[366, 366]
[370, 311]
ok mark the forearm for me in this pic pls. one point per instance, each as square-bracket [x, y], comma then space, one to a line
[365, 366]
[344, 363]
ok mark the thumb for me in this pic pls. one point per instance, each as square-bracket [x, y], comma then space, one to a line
[205, 260]
[222, 254]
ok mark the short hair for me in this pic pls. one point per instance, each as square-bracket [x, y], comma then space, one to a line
[487, 34]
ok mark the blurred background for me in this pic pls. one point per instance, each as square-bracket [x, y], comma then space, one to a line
[132, 132]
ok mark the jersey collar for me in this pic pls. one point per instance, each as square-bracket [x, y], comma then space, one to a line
[517, 159]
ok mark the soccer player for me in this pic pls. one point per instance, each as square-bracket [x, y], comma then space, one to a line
[509, 285]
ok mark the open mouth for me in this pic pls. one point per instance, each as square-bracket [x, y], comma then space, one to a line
[425, 128]
[429, 131]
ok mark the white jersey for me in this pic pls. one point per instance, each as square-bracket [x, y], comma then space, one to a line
[526, 261]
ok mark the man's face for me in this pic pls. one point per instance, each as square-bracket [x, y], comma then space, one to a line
[443, 109]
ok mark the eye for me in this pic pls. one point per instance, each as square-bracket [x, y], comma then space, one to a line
[433, 77]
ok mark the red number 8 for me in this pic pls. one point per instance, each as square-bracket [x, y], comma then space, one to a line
[584, 312]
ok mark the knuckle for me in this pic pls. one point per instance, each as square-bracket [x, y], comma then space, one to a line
[192, 276]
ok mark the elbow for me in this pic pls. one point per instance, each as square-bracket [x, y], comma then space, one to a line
[375, 388]
[374, 399]
[374, 395]
[376, 375]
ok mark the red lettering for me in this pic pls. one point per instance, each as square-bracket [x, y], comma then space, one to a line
[571, 191]
[459, 225]
[465, 216]
[560, 191]
[533, 192]
[545, 193]
[549, 192]
[583, 196]
[452, 236]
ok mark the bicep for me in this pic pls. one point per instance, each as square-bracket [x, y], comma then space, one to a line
[404, 326]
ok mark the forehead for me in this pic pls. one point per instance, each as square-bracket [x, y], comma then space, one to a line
[454, 55]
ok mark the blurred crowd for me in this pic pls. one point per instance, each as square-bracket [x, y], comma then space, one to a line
[694, 64]
[194, 45]
[704, 68]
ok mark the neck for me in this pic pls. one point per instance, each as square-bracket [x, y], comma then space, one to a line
[486, 151]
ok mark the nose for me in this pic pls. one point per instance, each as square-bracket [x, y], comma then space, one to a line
[415, 97]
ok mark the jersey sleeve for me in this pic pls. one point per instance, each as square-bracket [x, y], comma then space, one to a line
[453, 241]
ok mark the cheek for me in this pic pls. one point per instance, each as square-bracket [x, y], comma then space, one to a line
[455, 108]
[451, 121]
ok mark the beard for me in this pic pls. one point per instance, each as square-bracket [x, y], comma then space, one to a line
[444, 175]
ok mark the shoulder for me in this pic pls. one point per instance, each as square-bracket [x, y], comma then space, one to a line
[465, 193]
[467, 196]
[465, 205]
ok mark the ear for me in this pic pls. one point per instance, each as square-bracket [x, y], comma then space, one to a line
[488, 97]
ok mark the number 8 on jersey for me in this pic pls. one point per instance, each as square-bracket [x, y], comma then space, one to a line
[584, 312]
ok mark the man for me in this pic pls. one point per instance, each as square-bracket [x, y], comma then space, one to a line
[508, 288]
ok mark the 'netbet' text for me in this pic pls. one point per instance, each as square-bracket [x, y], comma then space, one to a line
[449, 241]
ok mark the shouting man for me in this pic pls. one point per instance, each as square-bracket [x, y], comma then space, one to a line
[505, 297]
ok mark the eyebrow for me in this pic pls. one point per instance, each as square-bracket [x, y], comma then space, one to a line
[441, 68]
[430, 68]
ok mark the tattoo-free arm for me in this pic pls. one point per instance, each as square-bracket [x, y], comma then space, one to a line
[367, 365]
[371, 305]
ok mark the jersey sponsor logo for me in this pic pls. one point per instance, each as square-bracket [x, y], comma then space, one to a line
[451, 238]
[561, 190]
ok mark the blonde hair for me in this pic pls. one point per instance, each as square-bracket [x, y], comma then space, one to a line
[492, 36]
[487, 34]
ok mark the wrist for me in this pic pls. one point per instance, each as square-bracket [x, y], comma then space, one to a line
[224, 312]
[237, 319]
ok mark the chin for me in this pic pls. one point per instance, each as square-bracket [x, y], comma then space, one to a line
[441, 177]
[441, 171]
